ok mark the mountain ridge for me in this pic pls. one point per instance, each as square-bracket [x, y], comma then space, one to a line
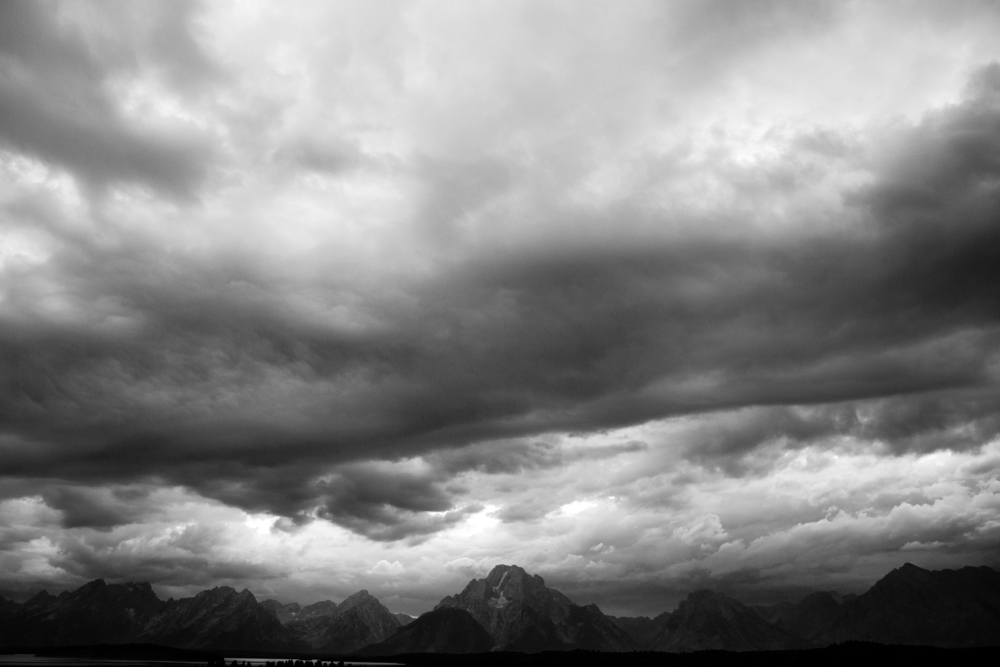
[516, 611]
[535, 617]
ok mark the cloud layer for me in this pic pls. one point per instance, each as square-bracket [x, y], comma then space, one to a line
[381, 272]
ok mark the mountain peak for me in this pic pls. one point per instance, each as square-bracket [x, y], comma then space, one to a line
[218, 592]
[358, 621]
[706, 601]
[911, 605]
[444, 630]
[911, 569]
[362, 597]
[521, 613]
[709, 620]
[40, 599]
[503, 572]
[363, 593]
[906, 576]
[506, 583]
[137, 585]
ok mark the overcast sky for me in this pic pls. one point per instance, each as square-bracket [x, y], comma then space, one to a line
[643, 297]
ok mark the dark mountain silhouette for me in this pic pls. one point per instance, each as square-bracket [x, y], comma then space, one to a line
[911, 605]
[95, 613]
[522, 614]
[293, 611]
[283, 612]
[773, 613]
[221, 618]
[642, 629]
[808, 619]
[307, 624]
[511, 610]
[218, 619]
[318, 609]
[42, 599]
[444, 630]
[354, 623]
[8, 607]
[360, 620]
[310, 631]
[706, 620]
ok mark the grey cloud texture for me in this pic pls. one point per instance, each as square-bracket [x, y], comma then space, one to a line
[213, 363]
[57, 104]
[366, 266]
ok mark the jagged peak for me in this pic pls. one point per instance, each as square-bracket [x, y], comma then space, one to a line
[501, 574]
[138, 585]
[906, 572]
[322, 604]
[501, 569]
[276, 604]
[361, 597]
[910, 567]
[40, 598]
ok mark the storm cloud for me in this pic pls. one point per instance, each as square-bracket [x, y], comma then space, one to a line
[390, 269]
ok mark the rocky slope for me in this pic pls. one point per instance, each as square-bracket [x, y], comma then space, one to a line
[8, 607]
[94, 613]
[43, 599]
[285, 613]
[809, 618]
[354, 623]
[293, 611]
[911, 605]
[522, 614]
[219, 618]
[707, 620]
[360, 620]
[514, 611]
[642, 629]
[444, 630]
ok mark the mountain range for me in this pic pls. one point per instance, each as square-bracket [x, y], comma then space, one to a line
[512, 610]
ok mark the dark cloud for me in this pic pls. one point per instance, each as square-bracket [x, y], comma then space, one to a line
[55, 104]
[386, 504]
[885, 329]
[84, 560]
[955, 419]
[517, 456]
[93, 508]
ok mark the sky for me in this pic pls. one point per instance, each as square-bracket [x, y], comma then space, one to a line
[644, 297]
